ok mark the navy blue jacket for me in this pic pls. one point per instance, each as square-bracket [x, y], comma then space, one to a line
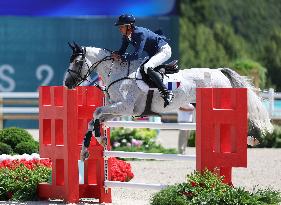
[142, 39]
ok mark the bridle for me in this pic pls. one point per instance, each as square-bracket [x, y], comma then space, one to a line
[90, 69]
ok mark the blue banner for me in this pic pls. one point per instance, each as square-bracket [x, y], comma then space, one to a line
[88, 7]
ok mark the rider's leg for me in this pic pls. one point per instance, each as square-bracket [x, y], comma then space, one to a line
[163, 55]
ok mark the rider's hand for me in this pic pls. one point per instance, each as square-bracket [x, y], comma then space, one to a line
[115, 56]
[84, 154]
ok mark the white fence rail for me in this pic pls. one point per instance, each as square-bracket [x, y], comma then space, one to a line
[155, 156]
[111, 184]
[152, 125]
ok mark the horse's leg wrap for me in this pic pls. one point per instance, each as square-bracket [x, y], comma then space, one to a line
[88, 135]
[87, 139]
[97, 128]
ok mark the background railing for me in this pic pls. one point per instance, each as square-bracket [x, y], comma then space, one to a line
[272, 101]
[24, 105]
[18, 106]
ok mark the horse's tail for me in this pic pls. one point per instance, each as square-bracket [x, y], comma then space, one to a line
[259, 121]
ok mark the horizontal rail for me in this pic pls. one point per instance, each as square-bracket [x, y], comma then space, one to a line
[156, 156]
[112, 184]
[19, 95]
[267, 95]
[19, 117]
[19, 110]
[152, 125]
[19, 102]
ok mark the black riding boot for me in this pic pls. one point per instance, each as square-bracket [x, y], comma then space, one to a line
[166, 94]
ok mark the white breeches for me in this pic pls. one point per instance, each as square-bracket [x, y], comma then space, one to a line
[163, 55]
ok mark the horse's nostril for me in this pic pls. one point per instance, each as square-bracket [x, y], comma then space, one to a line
[68, 84]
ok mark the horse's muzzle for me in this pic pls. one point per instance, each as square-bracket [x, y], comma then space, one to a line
[69, 83]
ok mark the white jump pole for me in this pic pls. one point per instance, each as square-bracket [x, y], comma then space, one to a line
[111, 184]
[156, 156]
[151, 125]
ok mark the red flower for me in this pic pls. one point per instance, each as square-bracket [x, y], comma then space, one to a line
[120, 170]
[10, 194]
[30, 164]
[193, 183]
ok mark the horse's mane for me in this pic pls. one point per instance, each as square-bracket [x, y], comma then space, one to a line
[99, 53]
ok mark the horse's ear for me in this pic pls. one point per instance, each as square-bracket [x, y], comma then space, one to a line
[71, 46]
[78, 48]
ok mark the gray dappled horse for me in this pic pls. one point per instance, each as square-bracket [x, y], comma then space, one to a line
[126, 94]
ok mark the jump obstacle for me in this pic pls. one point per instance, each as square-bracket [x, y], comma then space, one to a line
[221, 139]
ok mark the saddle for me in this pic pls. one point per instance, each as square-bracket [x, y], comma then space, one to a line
[169, 68]
[163, 69]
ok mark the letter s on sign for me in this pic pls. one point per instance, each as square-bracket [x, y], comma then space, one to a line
[7, 84]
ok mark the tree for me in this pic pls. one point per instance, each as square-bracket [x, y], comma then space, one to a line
[272, 58]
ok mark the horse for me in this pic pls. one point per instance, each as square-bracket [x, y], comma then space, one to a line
[127, 94]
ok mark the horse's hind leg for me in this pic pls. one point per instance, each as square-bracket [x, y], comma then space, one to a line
[94, 125]
[104, 113]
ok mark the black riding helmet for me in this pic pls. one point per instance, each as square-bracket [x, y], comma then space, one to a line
[125, 19]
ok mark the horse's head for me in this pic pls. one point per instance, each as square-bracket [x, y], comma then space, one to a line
[79, 66]
[84, 61]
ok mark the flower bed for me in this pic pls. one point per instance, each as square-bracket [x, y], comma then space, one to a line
[208, 188]
[20, 175]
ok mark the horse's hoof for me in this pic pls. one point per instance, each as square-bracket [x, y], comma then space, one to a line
[252, 141]
[84, 155]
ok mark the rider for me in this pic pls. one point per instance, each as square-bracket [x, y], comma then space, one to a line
[144, 39]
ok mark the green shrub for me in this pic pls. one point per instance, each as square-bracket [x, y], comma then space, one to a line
[5, 149]
[20, 184]
[136, 140]
[191, 139]
[27, 147]
[272, 140]
[13, 136]
[19, 140]
[207, 188]
[126, 134]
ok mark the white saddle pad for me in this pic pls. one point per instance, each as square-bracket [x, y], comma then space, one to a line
[172, 82]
